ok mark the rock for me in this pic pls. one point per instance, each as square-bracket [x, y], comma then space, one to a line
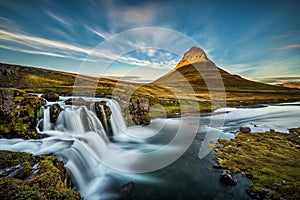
[255, 195]
[54, 112]
[102, 109]
[51, 96]
[126, 191]
[276, 186]
[217, 166]
[266, 190]
[7, 103]
[78, 102]
[284, 182]
[227, 178]
[272, 130]
[245, 129]
[139, 111]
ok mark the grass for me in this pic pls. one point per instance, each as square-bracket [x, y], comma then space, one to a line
[48, 183]
[269, 158]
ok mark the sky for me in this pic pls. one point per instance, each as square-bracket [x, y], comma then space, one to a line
[142, 40]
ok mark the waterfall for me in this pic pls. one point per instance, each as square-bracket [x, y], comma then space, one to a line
[46, 119]
[78, 121]
[104, 117]
[117, 121]
[79, 139]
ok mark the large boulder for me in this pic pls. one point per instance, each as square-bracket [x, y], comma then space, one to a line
[228, 178]
[51, 96]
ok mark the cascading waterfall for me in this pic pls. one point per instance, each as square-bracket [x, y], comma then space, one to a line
[79, 139]
[46, 119]
[117, 122]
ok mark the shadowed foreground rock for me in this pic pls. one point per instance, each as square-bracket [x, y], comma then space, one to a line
[227, 178]
[126, 191]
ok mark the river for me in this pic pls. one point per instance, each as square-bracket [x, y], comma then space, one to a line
[168, 159]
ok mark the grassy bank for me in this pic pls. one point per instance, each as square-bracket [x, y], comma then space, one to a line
[270, 159]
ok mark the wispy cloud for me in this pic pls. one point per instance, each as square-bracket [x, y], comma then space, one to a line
[9, 36]
[40, 46]
[104, 35]
[63, 20]
[287, 47]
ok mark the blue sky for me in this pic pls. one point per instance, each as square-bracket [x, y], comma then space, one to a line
[256, 39]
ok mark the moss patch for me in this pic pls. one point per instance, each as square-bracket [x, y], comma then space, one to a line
[270, 159]
[21, 121]
[47, 183]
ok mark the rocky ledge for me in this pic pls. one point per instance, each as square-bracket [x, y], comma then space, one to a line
[25, 176]
[18, 112]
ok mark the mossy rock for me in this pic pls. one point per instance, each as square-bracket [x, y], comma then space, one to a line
[20, 122]
[55, 109]
[51, 96]
[48, 182]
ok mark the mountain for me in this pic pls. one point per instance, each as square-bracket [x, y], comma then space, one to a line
[196, 70]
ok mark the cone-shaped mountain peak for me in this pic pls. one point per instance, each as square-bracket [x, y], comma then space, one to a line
[194, 55]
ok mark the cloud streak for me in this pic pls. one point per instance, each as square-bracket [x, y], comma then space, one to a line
[287, 47]
[40, 46]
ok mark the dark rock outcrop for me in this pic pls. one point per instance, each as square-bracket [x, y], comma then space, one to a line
[54, 112]
[228, 178]
[126, 191]
[245, 129]
[139, 111]
[51, 96]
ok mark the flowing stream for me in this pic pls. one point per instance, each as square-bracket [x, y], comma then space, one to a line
[168, 159]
